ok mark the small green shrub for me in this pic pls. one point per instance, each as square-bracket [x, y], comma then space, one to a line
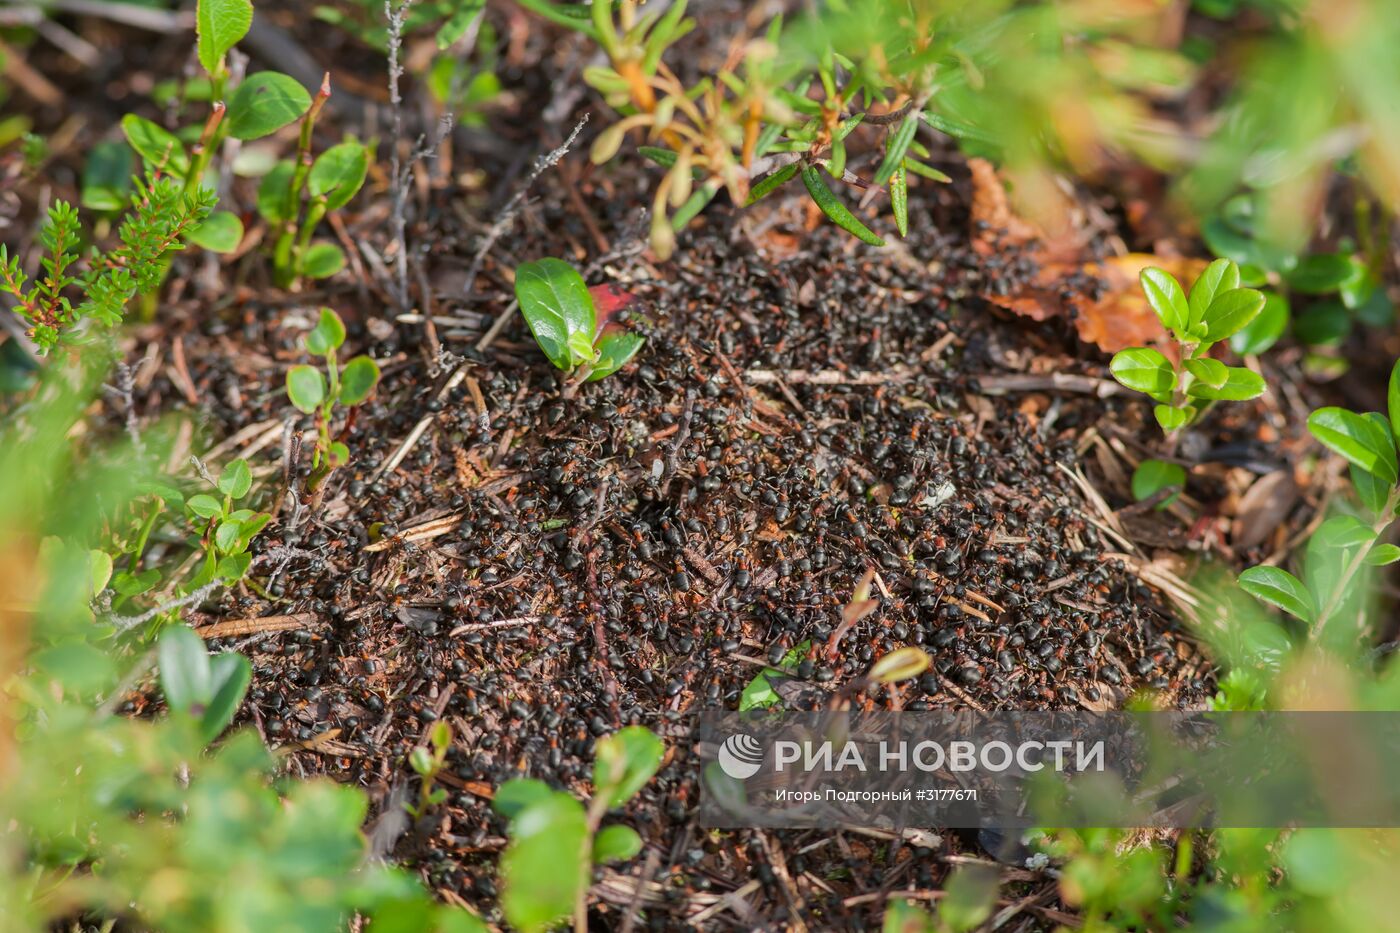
[160, 220]
[1339, 289]
[317, 392]
[555, 842]
[298, 193]
[1218, 308]
[1345, 544]
[226, 532]
[428, 763]
[169, 821]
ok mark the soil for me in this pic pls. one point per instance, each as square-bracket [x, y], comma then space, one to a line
[539, 570]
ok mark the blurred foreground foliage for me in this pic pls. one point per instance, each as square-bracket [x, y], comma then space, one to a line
[107, 817]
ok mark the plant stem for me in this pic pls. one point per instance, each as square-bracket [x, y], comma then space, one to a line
[597, 809]
[204, 149]
[283, 254]
[1353, 566]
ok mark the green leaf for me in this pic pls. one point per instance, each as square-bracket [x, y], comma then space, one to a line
[236, 479]
[1318, 863]
[339, 454]
[1240, 385]
[1171, 418]
[616, 844]
[99, 570]
[1278, 587]
[543, 867]
[221, 232]
[1383, 555]
[1167, 299]
[185, 676]
[234, 566]
[1319, 274]
[458, 23]
[902, 916]
[771, 183]
[662, 157]
[615, 349]
[1264, 331]
[357, 380]
[306, 387]
[338, 174]
[897, 148]
[1358, 439]
[1372, 492]
[220, 25]
[927, 171]
[249, 528]
[1231, 311]
[624, 761]
[273, 202]
[156, 145]
[899, 199]
[1152, 476]
[327, 335]
[1359, 286]
[1145, 370]
[693, 205]
[1392, 399]
[205, 506]
[229, 674]
[759, 693]
[832, 207]
[1377, 311]
[1323, 324]
[1343, 532]
[1219, 277]
[107, 176]
[226, 536]
[515, 795]
[1212, 372]
[322, 260]
[557, 307]
[264, 103]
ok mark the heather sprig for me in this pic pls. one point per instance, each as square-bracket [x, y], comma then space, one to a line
[160, 220]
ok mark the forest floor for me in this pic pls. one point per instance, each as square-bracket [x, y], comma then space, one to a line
[539, 570]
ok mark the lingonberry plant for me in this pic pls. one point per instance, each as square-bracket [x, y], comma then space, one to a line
[1335, 290]
[1217, 308]
[428, 762]
[1343, 545]
[226, 532]
[315, 392]
[572, 331]
[161, 218]
[555, 842]
[298, 193]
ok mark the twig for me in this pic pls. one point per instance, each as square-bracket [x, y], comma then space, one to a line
[499, 623]
[507, 214]
[124, 391]
[400, 169]
[284, 556]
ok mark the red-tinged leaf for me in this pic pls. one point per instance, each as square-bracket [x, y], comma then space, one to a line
[608, 299]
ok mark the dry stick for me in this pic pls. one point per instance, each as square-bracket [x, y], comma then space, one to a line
[396, 172]
[124, 391]
[283, 555]
[399, 168]
[505, 218]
